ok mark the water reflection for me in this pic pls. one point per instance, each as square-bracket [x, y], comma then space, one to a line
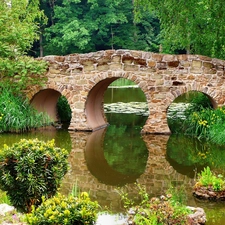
[98, 168]
[189, 155]
[62, 138]
[112, 159]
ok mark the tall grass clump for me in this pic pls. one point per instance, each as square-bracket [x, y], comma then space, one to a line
[17, 115]
[207, 124]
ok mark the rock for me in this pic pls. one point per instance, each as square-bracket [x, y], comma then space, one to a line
[197, 217]
[4, 208]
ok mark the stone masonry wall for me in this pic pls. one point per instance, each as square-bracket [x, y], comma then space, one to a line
[161, 77]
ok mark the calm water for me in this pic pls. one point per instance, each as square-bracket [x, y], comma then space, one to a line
[118, 156]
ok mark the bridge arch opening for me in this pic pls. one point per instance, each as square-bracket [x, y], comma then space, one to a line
[184, 105]
[51, 102]
[95, 111]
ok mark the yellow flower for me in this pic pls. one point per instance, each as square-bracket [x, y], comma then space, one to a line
[65, 221]
[66, 212]
[63, 204]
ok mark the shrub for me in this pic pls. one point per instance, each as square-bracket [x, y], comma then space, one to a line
[155, 211]
[64, 110]
[31, 169]
[65, 210]
[208, 179]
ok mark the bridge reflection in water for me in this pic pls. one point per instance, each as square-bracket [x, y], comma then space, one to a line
[94, 172]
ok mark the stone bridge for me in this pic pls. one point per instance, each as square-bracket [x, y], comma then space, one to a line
[83, 79]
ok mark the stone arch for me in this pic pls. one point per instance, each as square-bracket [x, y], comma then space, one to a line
[182, 90]
[45, 101]
[94, 109]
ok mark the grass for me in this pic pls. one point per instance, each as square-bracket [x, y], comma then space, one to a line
[17, 115]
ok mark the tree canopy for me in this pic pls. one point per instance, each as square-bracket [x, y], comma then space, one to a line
[195, 25]
[19, 22]
[90, 25]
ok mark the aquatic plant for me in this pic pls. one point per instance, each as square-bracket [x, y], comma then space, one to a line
[208, 179]
[65, 210]
[31, 169]
[154, 211]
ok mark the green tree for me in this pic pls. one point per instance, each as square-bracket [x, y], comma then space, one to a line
[195, 25]
[90, 25]
[19, 22]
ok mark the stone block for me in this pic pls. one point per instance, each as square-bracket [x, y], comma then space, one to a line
[116, 58]
[59, 58]
[159, 82]
[157, 57]
[151, 63]
[196, 64]
[161, 65]
[173, 64]
[114, 66]
[131, 67]
[103, 67]
[169, 58]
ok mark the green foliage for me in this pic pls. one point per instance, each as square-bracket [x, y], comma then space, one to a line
[188, 25]
[188, 152]
[63, 109]
[65, 210]
[155, 211]
[201, 120]
[22, 72]
[118, 144]
[19, 28]
[31, 169]
[17, 115]
[122, 82]
[206, 124]
[4, 198]
[208, 179]
[195, 102]
[85, 26]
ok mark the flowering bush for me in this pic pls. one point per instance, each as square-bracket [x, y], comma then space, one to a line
[64, 210]
[31, 169]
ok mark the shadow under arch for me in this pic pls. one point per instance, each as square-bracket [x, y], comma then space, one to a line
[98, 165]
[94, 107]
[46, 101]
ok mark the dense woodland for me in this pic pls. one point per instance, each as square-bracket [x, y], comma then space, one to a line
[85, 26]
[167, 26]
